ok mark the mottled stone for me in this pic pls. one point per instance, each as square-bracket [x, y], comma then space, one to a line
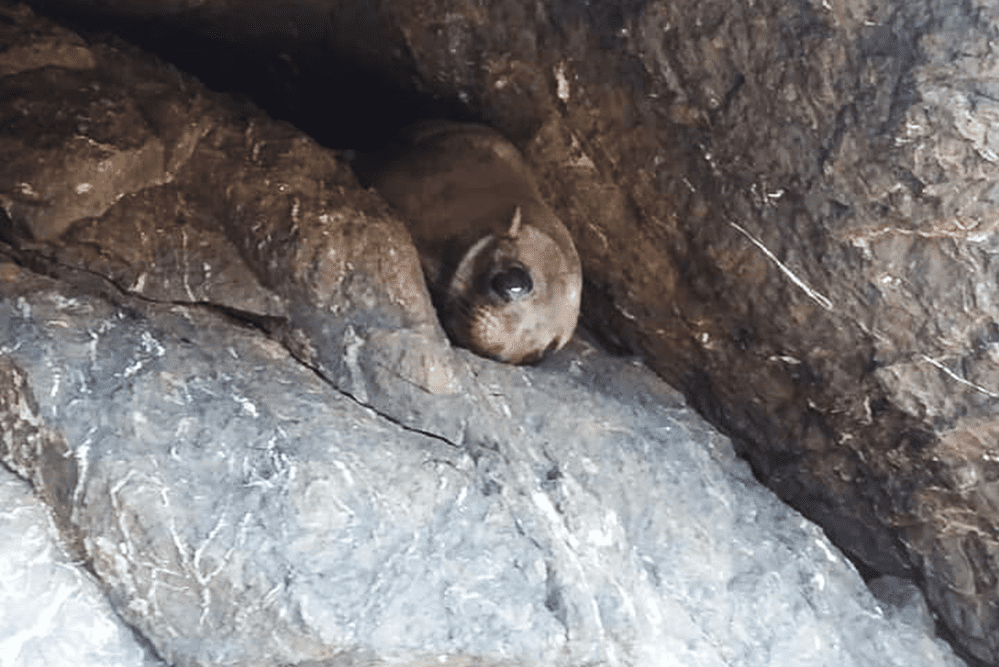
[133, 171]
[240, 510]
[54, 614]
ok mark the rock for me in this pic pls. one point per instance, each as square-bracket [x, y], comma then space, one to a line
[902, 598]
[787, 210]
[53, 614]
[96, 143]
[763, 197]
[346, 267]
[240, 510]
[157, 245]
[230, 184]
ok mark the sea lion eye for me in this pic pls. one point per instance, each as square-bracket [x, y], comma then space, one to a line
[512, 283]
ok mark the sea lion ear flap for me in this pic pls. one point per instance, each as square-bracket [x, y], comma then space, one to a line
[514, 224]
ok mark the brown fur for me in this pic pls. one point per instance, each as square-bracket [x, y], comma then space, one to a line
[474, 210]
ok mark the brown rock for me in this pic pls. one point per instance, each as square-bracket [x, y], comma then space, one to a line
[130, 170]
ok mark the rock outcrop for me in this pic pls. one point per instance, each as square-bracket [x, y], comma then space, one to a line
[786, 210]
[238, 509]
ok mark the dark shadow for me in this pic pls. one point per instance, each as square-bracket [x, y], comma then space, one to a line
[336, 97]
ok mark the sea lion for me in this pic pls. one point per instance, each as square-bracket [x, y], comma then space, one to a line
[501, 267]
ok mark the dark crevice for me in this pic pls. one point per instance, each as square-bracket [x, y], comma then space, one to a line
[324, 83]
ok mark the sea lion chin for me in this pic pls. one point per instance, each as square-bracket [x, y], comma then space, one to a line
[501, 267]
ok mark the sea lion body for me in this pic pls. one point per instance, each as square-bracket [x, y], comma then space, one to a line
[501, 267]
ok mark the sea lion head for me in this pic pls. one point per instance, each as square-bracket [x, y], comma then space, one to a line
[515, 295]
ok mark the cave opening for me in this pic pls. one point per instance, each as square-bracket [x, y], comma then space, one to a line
[348, 85]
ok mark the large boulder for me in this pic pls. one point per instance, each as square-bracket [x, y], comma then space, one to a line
[238, 509]
[784, 209]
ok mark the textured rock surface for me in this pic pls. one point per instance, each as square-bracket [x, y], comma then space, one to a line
[241, 511]
[53, 613]
[775, 205]
[323, 251]
[787, 208]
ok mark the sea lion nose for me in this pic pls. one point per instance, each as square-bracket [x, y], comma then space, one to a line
[512, 283]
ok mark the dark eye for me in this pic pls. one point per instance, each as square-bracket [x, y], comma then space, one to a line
[512, 283]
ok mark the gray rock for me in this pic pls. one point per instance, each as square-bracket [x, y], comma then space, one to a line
[241, 511]
[902, 599]
[53, 613]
